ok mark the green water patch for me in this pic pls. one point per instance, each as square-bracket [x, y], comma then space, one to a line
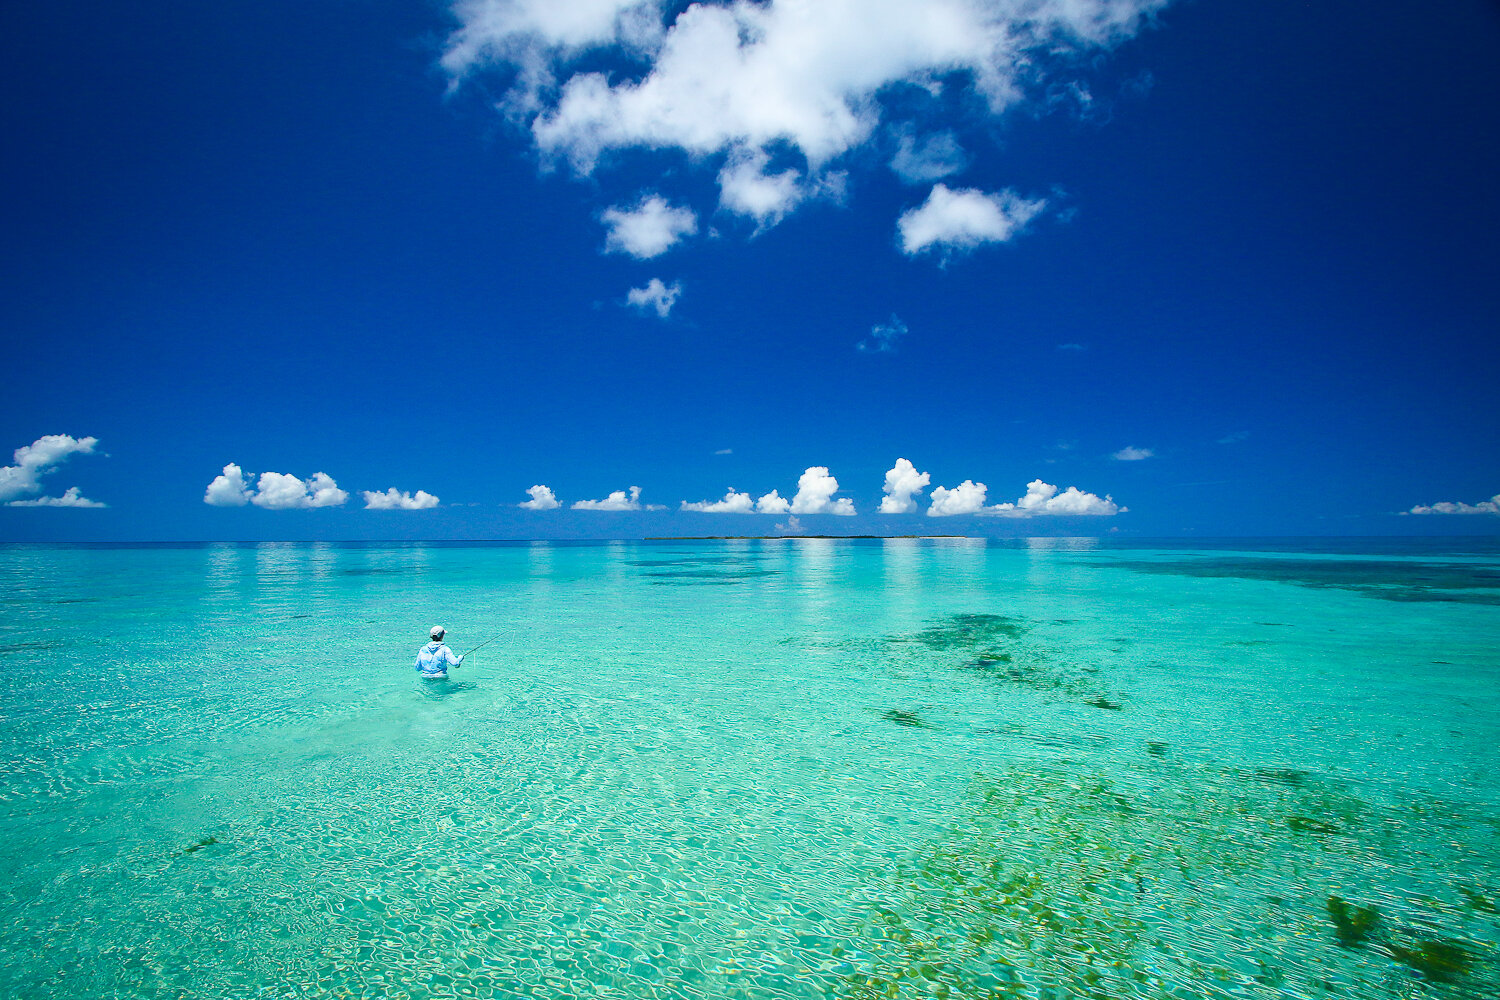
[999, 649]
[966, 632]
[909, 719]
[32, 646]
[707, 575]
[1383, 579]
[1059, 881]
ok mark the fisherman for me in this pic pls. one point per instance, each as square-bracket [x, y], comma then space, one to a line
[434, 659]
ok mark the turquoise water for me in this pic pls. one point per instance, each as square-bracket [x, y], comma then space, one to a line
[800, 768]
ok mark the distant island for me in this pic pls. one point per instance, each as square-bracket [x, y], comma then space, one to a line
[732, 538]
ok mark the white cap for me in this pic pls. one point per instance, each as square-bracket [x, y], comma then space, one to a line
[438, 631]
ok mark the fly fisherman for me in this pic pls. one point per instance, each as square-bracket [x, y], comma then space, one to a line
[434, 659]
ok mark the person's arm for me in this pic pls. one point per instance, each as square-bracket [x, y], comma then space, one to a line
[452, 660]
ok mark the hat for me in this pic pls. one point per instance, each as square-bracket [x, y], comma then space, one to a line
[438, 631]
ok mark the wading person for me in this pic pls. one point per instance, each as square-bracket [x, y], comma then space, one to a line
[434, 659]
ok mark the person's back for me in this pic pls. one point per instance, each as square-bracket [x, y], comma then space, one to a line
[434, 659]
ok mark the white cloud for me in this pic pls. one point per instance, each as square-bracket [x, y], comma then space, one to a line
[724, 451]
[746, 189]
[649, 229]
[883, 336]
[273, 491]
[773, 503]
[394, 499]
[281, 491]
[656, 295]
[922, 161]
[542, 498]
[733, 503]
[1490, 506]
[815, 490]
[32, 461]
[1040, 499]
[618, 500]
[902, 483]
[70, 498]
[965, 498]
[740, 80]
[1234, 438]
[1130, 453]
[961, 220]
[228, 489]
[791, 526]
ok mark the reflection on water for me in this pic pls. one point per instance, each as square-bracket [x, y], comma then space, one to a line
[790, 768]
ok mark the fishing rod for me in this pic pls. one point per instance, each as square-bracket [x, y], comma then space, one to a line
[480, 646]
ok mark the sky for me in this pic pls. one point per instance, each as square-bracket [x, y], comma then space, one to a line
[610, 268]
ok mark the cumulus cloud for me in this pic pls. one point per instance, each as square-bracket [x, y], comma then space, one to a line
[883, 336]
[70, 498]
[902, 483]
[956, 221]
[815, 490]
[649, 229]
[924, 160]
[542, 498]
[1130, 453]
[394, 499]
[731, 83]
[1041, 499]
[655, 295]
[32, 461]
[281, 491]
[773, 503]
[1490, 506]
[618, 500]
[228, 489]
[733, 503]
[965, 498]
[273, 491]
[791, 526]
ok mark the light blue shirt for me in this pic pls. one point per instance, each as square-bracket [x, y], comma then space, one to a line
[434, 659]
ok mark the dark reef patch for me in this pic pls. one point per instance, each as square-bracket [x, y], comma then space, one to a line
[1383, 579]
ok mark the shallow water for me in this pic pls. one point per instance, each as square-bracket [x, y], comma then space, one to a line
[800, 768]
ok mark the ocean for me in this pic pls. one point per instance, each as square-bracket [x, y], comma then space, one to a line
[752, 768]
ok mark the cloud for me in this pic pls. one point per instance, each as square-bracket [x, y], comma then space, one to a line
[273, 491]
[733, 503]
[70, 498]
[922, 161]
[1072, 348]
[965, 498]
[649, 229]
[655, 295]
[734, 84]
[773, 503]
[1234, 438]
[883, 336]
[902, 483]
[280, 491]
[956, 221]
[746, 189]
[618, 500]
[815, 490]
[791, 526]
[394, 499]
[32, 461]
[542, 498]
[724, 451]
[1490, 506]
[228, 489]
[1041, 499]
[1130, 453]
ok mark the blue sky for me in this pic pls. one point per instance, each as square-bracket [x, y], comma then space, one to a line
[1224, 268]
